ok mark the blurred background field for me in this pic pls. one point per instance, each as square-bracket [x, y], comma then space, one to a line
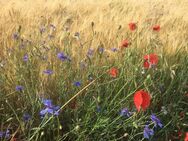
[58, 49]
[107, 16]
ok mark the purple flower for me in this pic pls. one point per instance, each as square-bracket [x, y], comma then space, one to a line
[125, 112]
[101, 50]
[156, 121]
[114, 49]
[49, 109]
[25, 58]
[1, 134]
[47, 102]
[49, 72]
[15, 36]
[5, 134]
[63, 57]
[148, 132]
[77, 83]
[26, 117]
[90, 52]
[19, 88]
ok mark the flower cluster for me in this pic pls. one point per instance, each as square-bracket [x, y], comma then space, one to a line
[148, 132]
[49, 109]
[5, 134]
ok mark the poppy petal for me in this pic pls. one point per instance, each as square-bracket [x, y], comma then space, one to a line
[146, 100]
[138, 100]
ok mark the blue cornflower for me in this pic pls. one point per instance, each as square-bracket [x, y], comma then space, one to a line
[49, 72]
[1, 134]
[148, 132]
[47, 102]
[101, 50]
[50, 109]
[19, 88]
[77, 83]
[26, 117]
[63, 57]
[114, 49]
[15, 36]
[25, 58]
[5, 134]
[90, 52]
[125, 112]
[156, 121]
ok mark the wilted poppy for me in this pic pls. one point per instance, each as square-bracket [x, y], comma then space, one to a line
[142, 100]
[113, 72]
[132, 26]
[156, 28]
[124, 43]
[73, 104]
[150, 60]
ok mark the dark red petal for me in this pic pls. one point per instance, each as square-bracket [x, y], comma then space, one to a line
[156, 27]
[146, 64]
[124, 43]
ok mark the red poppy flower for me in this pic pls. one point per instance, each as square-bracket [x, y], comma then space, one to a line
[132, 26]
[142, 100]
[113, 72]
[186, 136]
[156, 28]
[150, 60]
[124, 43]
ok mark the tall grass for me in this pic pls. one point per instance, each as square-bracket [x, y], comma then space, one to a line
[32, 34]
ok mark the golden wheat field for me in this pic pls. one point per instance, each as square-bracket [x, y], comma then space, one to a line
[107, 15]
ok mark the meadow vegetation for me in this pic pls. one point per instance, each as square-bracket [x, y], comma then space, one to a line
[93, 70]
